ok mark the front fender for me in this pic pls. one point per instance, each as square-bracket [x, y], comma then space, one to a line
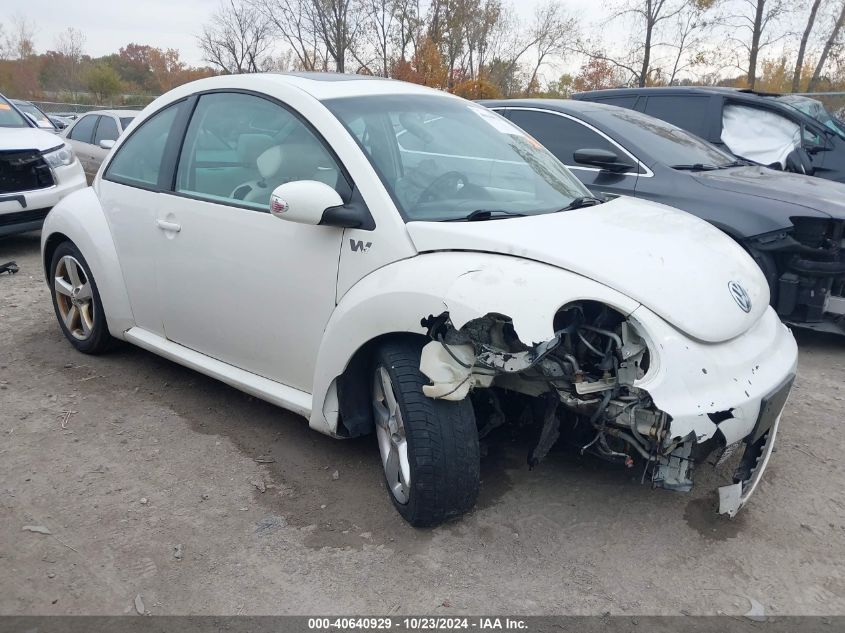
[79, 217]
[468, 285]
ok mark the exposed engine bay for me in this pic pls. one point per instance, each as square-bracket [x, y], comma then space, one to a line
[580, 384]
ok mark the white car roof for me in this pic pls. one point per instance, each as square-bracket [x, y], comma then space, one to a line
[319, 85]
[117, 113]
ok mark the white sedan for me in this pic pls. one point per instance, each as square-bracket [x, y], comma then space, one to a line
[307, 239]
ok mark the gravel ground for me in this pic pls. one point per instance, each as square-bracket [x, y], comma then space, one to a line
[166, 486]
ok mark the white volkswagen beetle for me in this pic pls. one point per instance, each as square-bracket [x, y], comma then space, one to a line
[306, 239]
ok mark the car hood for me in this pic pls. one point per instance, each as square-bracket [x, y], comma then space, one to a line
[27, 138]
[819, 194]
[678, 266]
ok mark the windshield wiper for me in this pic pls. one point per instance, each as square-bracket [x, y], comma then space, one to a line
[487, 214]
[737, 163]
[583, 201]
[695, 167]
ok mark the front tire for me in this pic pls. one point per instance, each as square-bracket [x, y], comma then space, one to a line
[76, 301]
[429, 448]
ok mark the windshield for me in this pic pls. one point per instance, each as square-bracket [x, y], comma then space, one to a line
[39, 117]
[443, 158]
[669, 144]
[814, 109]
[125, 121]
[9, 117]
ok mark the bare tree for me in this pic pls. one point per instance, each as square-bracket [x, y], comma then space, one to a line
[337, 27]
[321, 33]
[552, 31]
[691, 31]
[828, 45]
[379, 32]
[802, 47]
[757, 21]
[20, 40]
[647, 17]
[238, 39]
[70, 43]
[292, 21]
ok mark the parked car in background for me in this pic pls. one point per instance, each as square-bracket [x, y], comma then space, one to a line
[94, 134]
[37, 169]
[41, 120]
[749, 125]
[60, 122]
[792, 225]
[376, 277]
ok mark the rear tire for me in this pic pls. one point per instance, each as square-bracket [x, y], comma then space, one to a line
[429, 447]
[76, 301]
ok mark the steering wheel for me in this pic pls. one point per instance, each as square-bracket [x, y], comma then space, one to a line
[451, 181]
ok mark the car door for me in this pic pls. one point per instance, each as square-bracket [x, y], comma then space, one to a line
[236, 283]
[130, 194]
[106, 131]
[81, 137]
[563, 135]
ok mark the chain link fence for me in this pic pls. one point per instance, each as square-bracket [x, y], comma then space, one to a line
[75, 109]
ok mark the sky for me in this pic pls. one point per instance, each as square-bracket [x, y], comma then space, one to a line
[110, 24]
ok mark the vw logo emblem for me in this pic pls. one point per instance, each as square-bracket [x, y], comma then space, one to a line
[740, 296]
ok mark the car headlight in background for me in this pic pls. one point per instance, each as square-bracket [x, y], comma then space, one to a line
[60, 157]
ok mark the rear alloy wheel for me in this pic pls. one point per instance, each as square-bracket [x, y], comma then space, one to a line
[429, 448]
[77, 301]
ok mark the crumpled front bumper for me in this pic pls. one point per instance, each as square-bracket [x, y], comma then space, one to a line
[733, 391]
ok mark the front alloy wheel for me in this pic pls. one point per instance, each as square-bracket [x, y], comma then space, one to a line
[392, 443]
[76, 301]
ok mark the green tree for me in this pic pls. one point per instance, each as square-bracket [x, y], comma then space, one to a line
[104, 82]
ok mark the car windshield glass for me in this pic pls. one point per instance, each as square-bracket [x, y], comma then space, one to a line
[815, 109]
[669, 144]
[9, 117]
[443, 158]
[40, 118]
[125, 121]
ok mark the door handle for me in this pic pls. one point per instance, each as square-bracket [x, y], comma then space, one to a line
[164, 225]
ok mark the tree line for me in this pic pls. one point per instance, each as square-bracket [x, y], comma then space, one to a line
[485, 48]
[66, 73]
[476, 48]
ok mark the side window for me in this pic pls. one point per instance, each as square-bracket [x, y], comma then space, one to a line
[84, 128]
[106, 130]
[138, 160]
[239, 148]
[561, 136]
[622, 102]
[686, 111]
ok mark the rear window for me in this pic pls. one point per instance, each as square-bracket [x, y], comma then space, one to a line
[9, 117]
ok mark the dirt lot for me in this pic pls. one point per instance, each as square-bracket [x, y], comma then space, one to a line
[166, 484]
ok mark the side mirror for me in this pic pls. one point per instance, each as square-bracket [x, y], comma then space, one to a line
[603, 159]
[106, 143]
[303, 201]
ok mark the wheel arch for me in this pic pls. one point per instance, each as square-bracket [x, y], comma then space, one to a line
[79, 218]
[393, 301]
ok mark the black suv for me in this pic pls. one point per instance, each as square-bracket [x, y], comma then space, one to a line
[702, 111]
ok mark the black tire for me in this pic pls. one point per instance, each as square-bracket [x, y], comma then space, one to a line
[442, 441]
[98, 340]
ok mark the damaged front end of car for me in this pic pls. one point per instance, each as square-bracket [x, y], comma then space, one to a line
[584, 384]
[806, 271]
